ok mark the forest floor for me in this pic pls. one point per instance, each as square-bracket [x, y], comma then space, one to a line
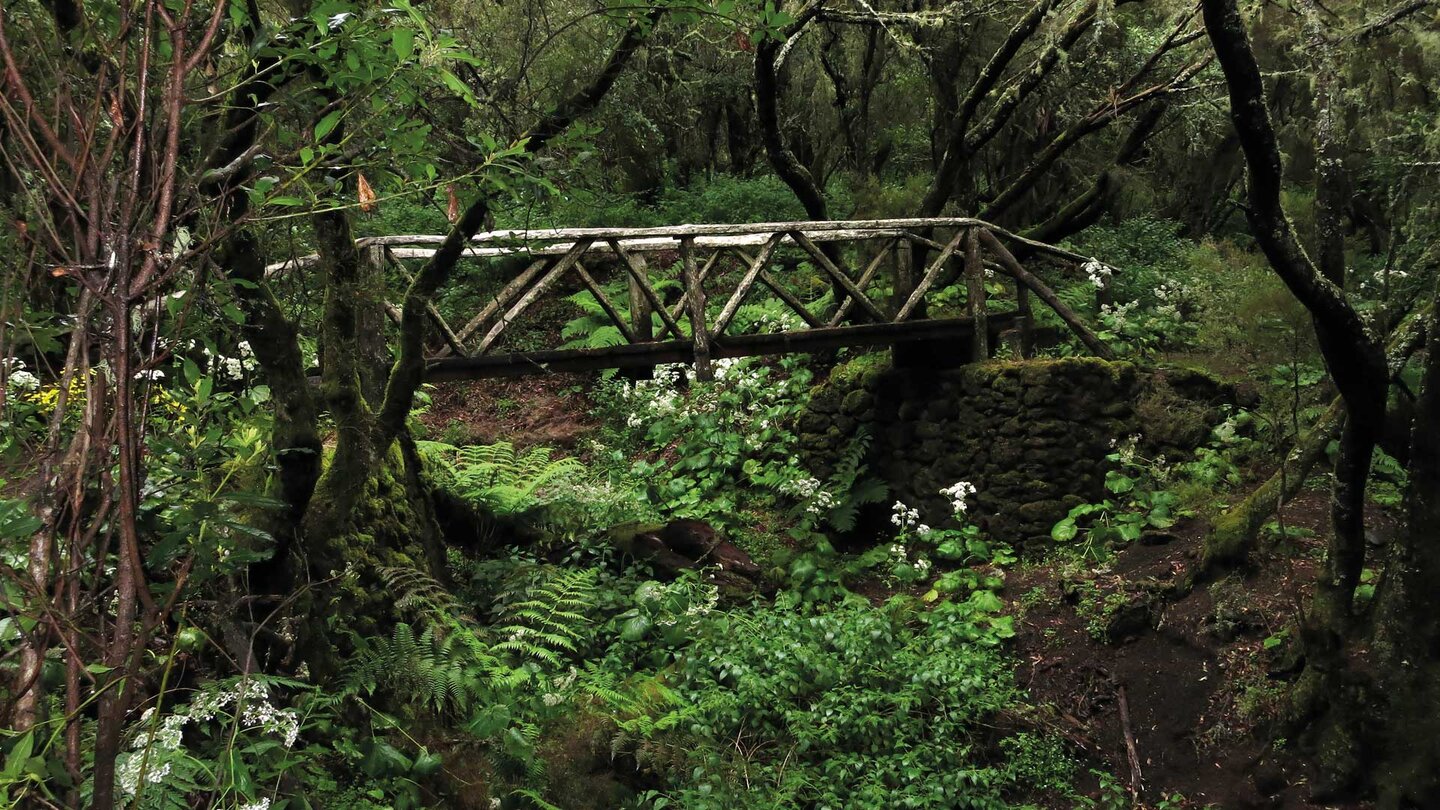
[1201, 674]
[550, 411]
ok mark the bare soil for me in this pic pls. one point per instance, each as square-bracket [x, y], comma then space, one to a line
[1201, 684]
[552, 410]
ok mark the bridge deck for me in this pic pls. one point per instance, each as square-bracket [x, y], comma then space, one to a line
[720, 267]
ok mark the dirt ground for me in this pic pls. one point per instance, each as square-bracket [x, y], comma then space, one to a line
[550, 410]
[1199, 679]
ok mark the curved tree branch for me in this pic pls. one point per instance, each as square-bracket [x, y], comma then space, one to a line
[409, 368]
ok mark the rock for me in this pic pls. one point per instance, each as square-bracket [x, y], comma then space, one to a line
[857, 403]
[683, 545]
[700, 542]
[1157, 538]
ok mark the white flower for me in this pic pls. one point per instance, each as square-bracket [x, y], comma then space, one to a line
[152, 374]
[1098, 272]
[957, 493]
[23, 381]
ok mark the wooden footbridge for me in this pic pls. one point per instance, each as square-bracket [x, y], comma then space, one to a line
[910, 259]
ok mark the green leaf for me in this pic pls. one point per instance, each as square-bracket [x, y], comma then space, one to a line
[1065, 530]
[986, 601]
[636, 628]
[328, 124]
[1119, 484]
[19, 755]
[458, 87]
[402, 42]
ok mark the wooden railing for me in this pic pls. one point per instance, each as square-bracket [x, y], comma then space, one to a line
[737, 262]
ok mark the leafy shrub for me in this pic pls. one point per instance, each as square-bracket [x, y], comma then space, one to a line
[704, 448]
[858, 706]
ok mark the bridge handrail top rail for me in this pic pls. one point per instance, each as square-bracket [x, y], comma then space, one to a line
[678, 232]
[509, 242]
[861, 228]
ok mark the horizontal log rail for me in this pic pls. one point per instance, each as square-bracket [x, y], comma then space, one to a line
[649, 355]
[913, 258]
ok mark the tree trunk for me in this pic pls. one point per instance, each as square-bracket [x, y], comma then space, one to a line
[1407, 635]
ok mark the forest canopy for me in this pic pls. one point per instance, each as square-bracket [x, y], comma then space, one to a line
[1068, 435]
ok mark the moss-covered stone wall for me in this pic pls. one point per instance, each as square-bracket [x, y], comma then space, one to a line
[1032, 436]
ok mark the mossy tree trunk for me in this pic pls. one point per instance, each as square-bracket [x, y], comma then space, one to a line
[1407, 632]
[366, 505]
[1367, 705]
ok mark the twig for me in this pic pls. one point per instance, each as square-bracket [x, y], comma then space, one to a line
[1136, 779]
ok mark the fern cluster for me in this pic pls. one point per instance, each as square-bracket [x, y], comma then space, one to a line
[593, 328]
[498, 477]
[852, 479]
[546, 621]
[439, 670]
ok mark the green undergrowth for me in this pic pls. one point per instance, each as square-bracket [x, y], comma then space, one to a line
[582, 679]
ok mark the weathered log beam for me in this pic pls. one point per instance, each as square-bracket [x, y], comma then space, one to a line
[503, 299]
[539, 288]
[645, 355]
[757, 266]
[930, 275]
[1020, 274]
[558, 240]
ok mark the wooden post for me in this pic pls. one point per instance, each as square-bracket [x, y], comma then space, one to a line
[374, 348]
[914, 303]
[642, 322]
[695, 295]
[1104, 295]
[975, 297]
[1027, 320]
[904, 273]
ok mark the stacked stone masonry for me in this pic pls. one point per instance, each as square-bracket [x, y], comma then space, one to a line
[1032, 436]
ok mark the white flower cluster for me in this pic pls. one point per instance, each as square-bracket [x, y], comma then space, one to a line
[1125, 450]
[817, 500]
[1383, 275]
[907, 519]
[1170, 294]
[902, 557]
[17, 379]
[127, 773]
[658, 398]
[559, 685]
[233, 368]
[253, 698]
[1098, 271]
[957, 493]
[1118, 315]
[710, 597]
